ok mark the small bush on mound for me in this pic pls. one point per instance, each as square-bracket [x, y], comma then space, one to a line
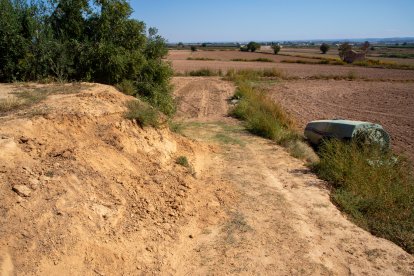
[127, 87]
[374, 186]
[183, 161]
[145, 114]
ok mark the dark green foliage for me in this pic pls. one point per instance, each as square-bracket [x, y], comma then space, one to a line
[193, 48]
[183, 161]
[374, 186]
[85, 41]
[253, 46]
[244, 49]
[324, 48]
[276, 49]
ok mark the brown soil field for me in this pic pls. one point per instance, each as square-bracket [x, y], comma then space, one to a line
[333, 53]
[85, 191]
[227, 55]
[297, 70]
[390, 104]
[285, 54]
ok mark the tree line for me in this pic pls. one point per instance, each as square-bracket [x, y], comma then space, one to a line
[82, 40]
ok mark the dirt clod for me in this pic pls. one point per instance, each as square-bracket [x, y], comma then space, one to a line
[22, 190]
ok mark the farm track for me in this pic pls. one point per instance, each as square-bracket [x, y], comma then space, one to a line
[282, 222]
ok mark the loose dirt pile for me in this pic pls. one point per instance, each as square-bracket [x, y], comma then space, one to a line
[389, 104]
[84, 191]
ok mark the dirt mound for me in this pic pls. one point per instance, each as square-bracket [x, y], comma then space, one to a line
[85, 191]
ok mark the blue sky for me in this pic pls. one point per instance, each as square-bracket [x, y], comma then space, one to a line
[243, 20]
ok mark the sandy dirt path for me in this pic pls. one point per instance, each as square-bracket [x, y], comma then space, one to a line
[283, 222]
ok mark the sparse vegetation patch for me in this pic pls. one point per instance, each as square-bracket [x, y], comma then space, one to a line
[375, 187]
[143, 113]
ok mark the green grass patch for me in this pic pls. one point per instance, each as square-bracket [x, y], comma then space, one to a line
[226, 139]
[143, 113]
[375, 187]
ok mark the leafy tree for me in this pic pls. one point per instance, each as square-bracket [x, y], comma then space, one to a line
[276, 49]
[343, 48]
[193, 48]
[253, 46]
[204, 45]
[84, 40]
[324, 48]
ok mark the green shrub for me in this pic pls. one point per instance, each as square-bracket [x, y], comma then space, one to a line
[193, 48]
[183, 161]
[253, 46]
[94, 41]
[374, 186]
[127, 87]
[143, 113]
[276, 49]
[324, 48]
